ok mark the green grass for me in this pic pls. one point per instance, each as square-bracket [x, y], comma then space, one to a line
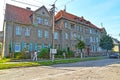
[5, 60]
[7, 65]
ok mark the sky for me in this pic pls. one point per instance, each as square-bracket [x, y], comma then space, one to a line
[102, 13]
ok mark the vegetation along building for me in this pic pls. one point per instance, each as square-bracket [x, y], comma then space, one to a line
[29, 30]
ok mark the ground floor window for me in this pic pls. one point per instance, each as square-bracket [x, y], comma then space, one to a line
[17, 47]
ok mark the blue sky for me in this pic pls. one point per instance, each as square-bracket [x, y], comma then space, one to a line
[106, 12]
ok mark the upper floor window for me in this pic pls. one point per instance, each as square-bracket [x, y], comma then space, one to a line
[46, 21]
[75, 35]
[40, 33]
[46, 35]
[18, 30]
[66, 36]
[39, 20]
[66, 24]
[27, 31]
[56, 35]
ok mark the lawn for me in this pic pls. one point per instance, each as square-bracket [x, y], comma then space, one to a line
[6, 64]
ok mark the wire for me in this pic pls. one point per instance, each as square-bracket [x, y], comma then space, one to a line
[25, 3]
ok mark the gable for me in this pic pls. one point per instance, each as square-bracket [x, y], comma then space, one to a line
[42, 11]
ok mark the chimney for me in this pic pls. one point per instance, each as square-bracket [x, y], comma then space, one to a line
[28, 8]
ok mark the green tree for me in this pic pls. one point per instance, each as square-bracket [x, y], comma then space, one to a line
[80, 45]
[106, 43]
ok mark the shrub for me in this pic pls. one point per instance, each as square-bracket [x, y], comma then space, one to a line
[44, 53]
[70, 54]
[18, 55]
[21, 55]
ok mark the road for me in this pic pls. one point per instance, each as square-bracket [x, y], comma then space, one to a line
[106, 69]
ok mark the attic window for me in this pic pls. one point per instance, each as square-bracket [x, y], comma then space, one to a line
[43, 12]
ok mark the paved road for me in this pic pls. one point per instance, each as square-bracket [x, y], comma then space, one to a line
[107, 69]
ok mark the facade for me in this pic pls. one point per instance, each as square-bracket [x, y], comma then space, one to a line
[116, 43]
[26, 30]
[32, 30]
[73, 28]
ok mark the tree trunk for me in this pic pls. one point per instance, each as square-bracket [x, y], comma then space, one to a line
[81, 55]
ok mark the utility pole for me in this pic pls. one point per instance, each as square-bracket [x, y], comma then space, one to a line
[53, 26]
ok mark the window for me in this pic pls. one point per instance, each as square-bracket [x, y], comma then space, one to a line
[45, 21]
[39, 47]
[77, 27]
[17, 47]
[27, 31]
[40, 33]
[18, 30]
[90, 39]
[78, 35]
[39, 20]
[26, 46]
[75, 36]
[46, 35]
[66, 24]
[66, 36]
[56, 35]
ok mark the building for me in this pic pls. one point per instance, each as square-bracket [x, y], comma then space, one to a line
[73, 27]
[26, 30]
[116, 43]
[29, 30]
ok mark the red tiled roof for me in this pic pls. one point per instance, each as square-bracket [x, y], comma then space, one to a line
[63, 14]
[17, 14]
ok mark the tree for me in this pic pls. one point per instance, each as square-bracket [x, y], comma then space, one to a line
[80, 45]
[106, 42]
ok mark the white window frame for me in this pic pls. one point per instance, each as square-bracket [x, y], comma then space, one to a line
[66, 24]
[55, 35]
[66, 36]
[39, 20]
[40, 33]
[27, 31]
[18, 30]
[46, 34]
[46, 21]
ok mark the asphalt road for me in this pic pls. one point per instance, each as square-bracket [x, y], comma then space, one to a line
[106, 69]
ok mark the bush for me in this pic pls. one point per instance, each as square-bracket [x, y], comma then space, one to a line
[70, 54]
[21, 55]
[44, 53]
[18, 55]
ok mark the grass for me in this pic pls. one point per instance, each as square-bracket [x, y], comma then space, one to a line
[5, 64]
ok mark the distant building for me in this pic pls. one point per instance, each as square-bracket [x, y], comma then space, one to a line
[32, 30]
[116, 43]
